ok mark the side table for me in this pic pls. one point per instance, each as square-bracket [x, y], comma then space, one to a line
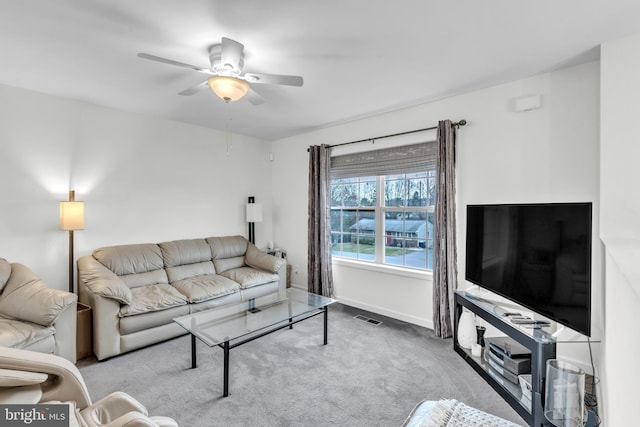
[84, 345]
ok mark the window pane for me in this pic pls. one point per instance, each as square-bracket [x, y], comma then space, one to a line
[418, 191]
[429, 243]
[368, 193]
[405, 239]
[353, 234]
[350, 194]
[431, 190]
[364, 236]
[337, 189]
[394, 191]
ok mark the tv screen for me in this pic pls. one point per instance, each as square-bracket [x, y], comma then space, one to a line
[537, 255]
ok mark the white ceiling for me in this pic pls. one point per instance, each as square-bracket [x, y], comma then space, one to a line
[358, 57]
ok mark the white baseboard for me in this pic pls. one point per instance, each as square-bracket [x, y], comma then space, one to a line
[427, 323]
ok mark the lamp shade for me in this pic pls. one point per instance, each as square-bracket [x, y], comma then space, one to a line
[228, 88]
[72, 215]
[254, 212]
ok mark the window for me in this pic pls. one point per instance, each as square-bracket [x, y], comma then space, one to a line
[394, 228]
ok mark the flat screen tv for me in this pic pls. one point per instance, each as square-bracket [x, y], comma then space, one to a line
[537, 255]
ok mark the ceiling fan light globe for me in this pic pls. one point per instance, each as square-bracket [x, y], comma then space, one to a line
[228, 88]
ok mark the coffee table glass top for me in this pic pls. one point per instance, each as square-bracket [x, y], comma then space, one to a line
[228, 322]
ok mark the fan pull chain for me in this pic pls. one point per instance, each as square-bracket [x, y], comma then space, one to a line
[228, 137]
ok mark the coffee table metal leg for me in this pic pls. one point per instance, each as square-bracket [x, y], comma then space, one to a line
[326, 323]
[225, 347]
[193, 352]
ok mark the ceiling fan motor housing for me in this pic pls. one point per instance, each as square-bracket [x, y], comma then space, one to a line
[215, 58]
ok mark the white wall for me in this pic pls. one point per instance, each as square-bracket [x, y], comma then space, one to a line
[620, 227]
[142, 180]
[545, 155]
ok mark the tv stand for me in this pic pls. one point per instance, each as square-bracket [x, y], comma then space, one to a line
[541, 344]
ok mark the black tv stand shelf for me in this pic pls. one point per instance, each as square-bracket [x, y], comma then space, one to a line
[541, 344]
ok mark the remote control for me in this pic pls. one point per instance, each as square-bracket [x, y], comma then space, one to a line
[529, 322]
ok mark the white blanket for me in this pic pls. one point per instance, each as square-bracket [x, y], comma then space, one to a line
[451, 413]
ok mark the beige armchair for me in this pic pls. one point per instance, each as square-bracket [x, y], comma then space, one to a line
[34, 316]
[28, 377]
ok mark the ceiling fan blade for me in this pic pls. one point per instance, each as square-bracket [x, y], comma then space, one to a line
[274, 79]
[172, 62]
[194, 89]
[254, 98]
[232, 56]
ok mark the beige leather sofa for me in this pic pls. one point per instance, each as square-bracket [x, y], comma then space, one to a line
[33, 316]
[136, 290]
[30, 378]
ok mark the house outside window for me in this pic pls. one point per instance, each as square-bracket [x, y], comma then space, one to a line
[394, 229]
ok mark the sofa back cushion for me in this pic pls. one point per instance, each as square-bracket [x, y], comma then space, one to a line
[228, 252]
[137, 265]
[227, 247]
[186, 258]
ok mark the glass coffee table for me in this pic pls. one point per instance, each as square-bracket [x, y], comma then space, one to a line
[230, 326]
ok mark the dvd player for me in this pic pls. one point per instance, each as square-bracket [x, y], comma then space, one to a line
[508, 355]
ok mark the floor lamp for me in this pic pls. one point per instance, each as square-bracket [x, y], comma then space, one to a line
[71, 218]
[254, 214]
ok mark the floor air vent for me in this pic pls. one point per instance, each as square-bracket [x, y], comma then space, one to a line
[367, 319]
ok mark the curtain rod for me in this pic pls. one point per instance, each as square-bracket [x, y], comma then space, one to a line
[456, 124]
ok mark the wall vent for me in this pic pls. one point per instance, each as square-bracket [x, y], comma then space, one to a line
[367, 319]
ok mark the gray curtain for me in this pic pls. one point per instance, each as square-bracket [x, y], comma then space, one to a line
[320, 279]
[444, 242]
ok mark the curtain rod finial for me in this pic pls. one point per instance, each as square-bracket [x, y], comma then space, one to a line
[461, 122]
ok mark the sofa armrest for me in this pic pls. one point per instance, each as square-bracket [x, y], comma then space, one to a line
[25, 297]
[101, 281]
[258, 259]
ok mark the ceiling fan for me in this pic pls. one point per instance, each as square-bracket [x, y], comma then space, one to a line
[227, 79]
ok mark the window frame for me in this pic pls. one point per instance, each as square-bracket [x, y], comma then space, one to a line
[380, 210]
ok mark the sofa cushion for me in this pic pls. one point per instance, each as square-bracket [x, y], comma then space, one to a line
[225, 264]
[181, 252]
[147, 278]
[152, 298]
[227, 247]
[18, 334]
[5, 272]
[26, 297]
[202, 288]
[249, 277]
[258, 259]
[130, 259]
[189, 270]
